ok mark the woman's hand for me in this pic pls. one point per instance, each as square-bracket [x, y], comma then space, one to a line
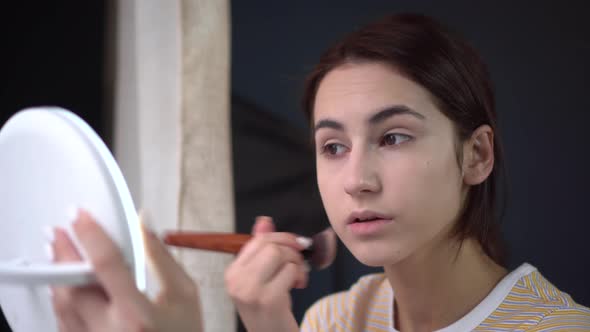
[115, 304]
[260, 278]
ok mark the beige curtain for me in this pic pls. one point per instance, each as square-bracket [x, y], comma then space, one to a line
[171, 133]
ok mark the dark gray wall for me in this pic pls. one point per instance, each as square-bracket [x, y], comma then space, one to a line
[538, 54]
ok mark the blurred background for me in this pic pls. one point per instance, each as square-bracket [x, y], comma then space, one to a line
[60, 53]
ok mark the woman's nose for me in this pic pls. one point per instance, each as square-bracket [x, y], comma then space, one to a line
[362, 177]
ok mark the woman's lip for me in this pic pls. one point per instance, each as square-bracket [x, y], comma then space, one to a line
[368, 227]
[367, 215]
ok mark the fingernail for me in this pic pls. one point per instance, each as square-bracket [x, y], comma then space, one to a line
[49, 234]
[306, 266]
[50, 291]
[303, 241]
[260, 219]
[49, 252]
[72, 213]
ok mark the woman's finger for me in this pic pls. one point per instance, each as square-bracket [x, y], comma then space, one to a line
[263, 224]
[63, 304]
[109, 265]
[77, 306]
[68, 322]
[63, 248]
[66, 315]
[302, 276]
[82, 306]
[250, 251]
[270, 261]
[174, 280]
[284, 280]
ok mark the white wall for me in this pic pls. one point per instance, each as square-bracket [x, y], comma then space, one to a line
[171, 135]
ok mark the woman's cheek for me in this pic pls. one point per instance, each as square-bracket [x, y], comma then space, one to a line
[417, 184]
[439, 196]
[329, 191]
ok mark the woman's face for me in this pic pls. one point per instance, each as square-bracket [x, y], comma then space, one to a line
[386, 163]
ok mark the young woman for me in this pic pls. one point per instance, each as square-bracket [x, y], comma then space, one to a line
[407, 164]
[408, 160]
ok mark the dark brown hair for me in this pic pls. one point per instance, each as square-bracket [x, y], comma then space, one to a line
[443, 63]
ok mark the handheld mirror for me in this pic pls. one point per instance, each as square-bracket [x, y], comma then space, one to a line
[51, 161]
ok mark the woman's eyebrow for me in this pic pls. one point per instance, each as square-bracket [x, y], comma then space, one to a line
[328, 123]
[391, 111]
[376, 118]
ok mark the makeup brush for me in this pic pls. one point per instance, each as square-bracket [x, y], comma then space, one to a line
[320, 255]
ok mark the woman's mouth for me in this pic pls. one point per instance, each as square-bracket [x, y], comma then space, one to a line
[367, 222]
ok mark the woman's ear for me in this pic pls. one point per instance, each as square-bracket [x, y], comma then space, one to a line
[478, 156]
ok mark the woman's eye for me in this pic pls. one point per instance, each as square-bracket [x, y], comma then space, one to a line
[333, 149]
[394, 139]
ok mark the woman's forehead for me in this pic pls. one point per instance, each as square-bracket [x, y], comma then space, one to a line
[359, 90]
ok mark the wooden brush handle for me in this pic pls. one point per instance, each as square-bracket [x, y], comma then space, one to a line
[220, 242]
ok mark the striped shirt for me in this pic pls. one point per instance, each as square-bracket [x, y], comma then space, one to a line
[522, 301]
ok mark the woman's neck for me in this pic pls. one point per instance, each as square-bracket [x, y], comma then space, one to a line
[438, 285]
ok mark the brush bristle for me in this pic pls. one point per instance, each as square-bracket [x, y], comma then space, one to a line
[323, 249]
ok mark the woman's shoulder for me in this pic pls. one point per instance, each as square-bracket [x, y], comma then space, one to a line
[543, 292]
[559, 308]
[575, 318]
[341, 309]
[540, 305]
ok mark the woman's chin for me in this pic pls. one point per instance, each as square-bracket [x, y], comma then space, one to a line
[371, 261]
[376, 256]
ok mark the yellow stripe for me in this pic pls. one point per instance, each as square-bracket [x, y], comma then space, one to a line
[536, 305]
